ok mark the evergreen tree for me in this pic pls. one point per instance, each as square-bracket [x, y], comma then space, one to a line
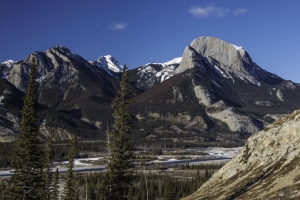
[55, 191]
[119, 171]
[169, 193]
[47, 172]
[27, 181]
[69, 190]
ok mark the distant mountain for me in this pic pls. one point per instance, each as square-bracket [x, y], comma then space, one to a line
[10, 105]
[217, 94]
[71, 85]
[151, 74]
[214, 93]
[110, 64]
[5, 68]
[266, 168]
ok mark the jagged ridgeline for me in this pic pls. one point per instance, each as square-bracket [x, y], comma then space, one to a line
[214, 94]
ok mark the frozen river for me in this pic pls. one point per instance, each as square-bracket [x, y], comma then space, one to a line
[211, 155]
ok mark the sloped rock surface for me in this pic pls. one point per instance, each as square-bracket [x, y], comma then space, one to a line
[266, 168]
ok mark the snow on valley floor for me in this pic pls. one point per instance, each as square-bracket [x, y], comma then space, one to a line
[208, 153]
[174, 157]
[219, 151]
[199, 155]
[80, 162]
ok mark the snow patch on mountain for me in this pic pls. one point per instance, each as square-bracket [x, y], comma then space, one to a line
[279, 95]
[225, 73]
[166, 73]
[109, 64]
[264, 103]
[5, 68]
[162, 71]
[236, 47]
[247, 78]
[173, 61]
[9, 63]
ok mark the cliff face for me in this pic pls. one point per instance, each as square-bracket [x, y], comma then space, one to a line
[228, 58]
[266, 168]
[213, 93]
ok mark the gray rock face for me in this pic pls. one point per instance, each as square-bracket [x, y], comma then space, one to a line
[226, 54]
[19, 74]
[54, 60]
[228, 58]
[190, 59]
[217, 62]
[219, 50]
[266, 168]
[60, 72]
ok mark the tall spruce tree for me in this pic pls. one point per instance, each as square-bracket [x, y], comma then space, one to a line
[55, 191]
[119, 170]
[70, 190]
[169, 193]
[28, 182]
[48, 174]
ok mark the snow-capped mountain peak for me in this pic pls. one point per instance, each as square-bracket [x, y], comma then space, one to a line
[173, 61]
[153, 73]
[5, 68]
[9, 63]
[110, 63]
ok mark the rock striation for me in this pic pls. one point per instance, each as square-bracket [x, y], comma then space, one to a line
[266, 168]
[227, 57]
[214, 92]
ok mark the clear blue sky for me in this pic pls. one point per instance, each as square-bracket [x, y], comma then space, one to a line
[137, 32]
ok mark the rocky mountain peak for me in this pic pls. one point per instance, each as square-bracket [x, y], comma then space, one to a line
[227, 60]
[9, 63]
[5, 68]
[228, 55]
[219, 50]
[109, 63]
[151, 74]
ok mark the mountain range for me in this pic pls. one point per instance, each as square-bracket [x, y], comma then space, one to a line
[215, 93]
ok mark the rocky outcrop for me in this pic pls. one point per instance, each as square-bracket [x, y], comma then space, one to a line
[266, 168]
[226, 57]
[225, 53]
[236, 122]
[56, 61]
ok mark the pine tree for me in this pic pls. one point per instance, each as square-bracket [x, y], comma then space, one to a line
[47, 172]
[119, 171]
[27, 181]
[169, 193]
[55, 191]
[69, 190]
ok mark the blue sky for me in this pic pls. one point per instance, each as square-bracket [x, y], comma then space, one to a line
[137, 32]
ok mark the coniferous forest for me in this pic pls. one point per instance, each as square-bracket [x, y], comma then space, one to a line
[35, 178]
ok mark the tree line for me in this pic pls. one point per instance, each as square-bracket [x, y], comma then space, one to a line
[33, 178]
